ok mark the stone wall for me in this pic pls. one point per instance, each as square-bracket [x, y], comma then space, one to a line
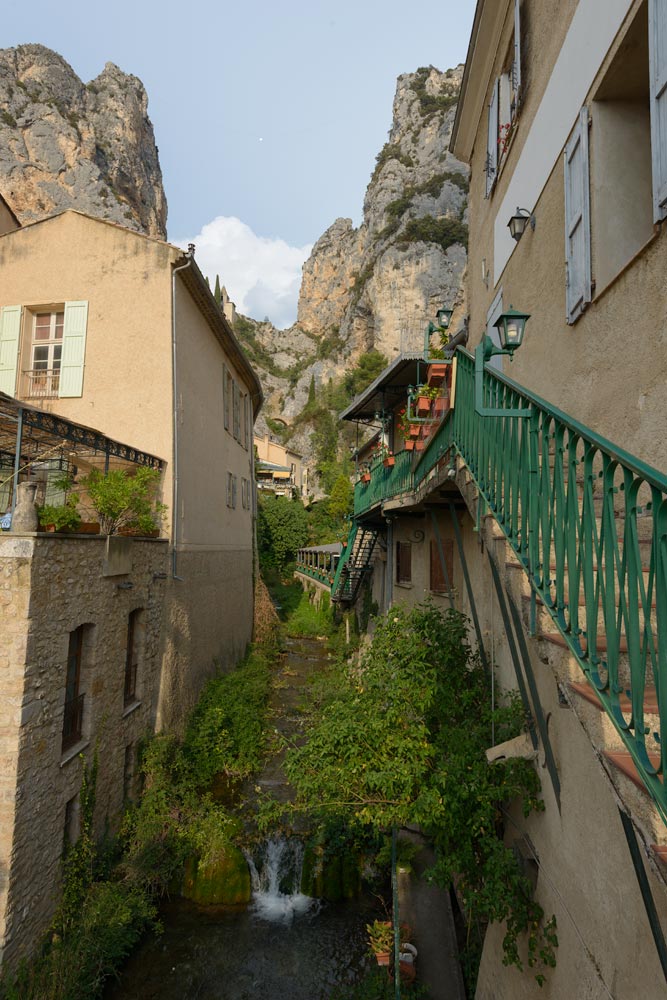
[49, 586]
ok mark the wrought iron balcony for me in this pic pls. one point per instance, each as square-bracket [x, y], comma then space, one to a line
[41, 383]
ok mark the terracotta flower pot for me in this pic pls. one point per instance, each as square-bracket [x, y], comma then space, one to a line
[388, 461]
[409, 444]
[414, 430]
[441, 405]
[436, 374]
[366, 478]
[423, 406]
[420, 444]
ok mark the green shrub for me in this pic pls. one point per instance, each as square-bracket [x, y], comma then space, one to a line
[427, 229]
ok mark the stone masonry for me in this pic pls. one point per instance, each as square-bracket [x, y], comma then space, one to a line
[49, 587]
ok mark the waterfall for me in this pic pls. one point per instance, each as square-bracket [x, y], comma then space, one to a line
[276, 882]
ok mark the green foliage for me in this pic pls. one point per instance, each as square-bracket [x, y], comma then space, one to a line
[391, 151]
[308, 619]
[121, 500]
[282, 529]
[64, 515]
[427, 229]
[225, 732]
[431, 104]
[376, 985]
[401, 739]
[7, 118]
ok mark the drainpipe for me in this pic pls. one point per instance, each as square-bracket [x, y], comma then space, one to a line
[174, 557]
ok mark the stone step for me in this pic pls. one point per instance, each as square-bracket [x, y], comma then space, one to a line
[601, 645]
[584, 690]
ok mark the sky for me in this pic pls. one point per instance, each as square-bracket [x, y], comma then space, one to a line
[267, 115]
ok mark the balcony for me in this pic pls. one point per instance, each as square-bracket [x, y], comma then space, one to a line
[41, 383]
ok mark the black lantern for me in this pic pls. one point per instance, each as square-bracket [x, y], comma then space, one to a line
[511, 326]
[443, 317]
[519, 221]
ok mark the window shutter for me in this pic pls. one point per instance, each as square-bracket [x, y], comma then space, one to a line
[10, 329]
[577, 220]
[492, 141]
[516, 67]
[74, 349]
[657, 34]
[225, 397]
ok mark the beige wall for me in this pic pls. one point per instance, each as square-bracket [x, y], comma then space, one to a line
[608, 369]
[127, 395]
[48, 587]
[273, 451]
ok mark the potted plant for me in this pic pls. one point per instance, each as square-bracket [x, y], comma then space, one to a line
[126, 503]
[436, 373]
[389, 460]
[60, 517]
[365, 476]
[381, 940]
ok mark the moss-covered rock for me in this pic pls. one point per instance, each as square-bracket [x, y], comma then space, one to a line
[224, 881]
[331, 877]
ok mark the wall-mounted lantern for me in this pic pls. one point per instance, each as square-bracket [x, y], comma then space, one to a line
[519, 221]
[511, 326]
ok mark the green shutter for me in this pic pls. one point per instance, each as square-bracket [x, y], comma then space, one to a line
[74, 349]
[10, 329]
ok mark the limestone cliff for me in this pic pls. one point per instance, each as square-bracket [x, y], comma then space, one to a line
[378, 286]
[64, 144]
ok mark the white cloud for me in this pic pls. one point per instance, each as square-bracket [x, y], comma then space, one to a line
[262, 275]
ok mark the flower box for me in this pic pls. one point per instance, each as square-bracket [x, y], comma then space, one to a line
[436, 374]
[423, 406]
[414, 430]
[440, 406]
[388, 461]
[366, 477]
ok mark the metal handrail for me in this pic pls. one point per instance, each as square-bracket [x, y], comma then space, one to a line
[42, 383]
[588, 524]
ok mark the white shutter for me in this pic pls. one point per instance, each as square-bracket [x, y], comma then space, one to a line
[492, 141]
[10, 330]
[74, 349]
[516, 67]
[577, 220]
[657, 35]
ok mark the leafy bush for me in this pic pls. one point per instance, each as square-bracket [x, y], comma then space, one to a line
[401, 739]
[121, 500]
[427, 229]
[282, 529]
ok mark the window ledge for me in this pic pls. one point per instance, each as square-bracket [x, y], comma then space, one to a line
[74, 751]
[657, 228]
[406, 586]
[129, 709]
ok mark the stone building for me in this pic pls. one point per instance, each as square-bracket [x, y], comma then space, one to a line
[106, 639]
[534, 499]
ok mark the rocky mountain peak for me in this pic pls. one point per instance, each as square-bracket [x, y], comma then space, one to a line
[66, 144]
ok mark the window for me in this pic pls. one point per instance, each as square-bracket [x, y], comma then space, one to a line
[45, 353]
[403, 562]
[442, 579]
[74, 700]
[231, 490]
[237, 412]
[615, 169]
[245, 494]
[135, 627]
[504, 104]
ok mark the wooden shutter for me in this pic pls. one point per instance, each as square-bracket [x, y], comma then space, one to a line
[657, 35]
[492, 141]
[10, 330]
[516, 66]
[74, 349]
[577, 220]
[438, 578]
[225, 397]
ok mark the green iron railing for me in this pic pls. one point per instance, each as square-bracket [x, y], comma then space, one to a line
[588, 522]
[321, 575]
[385, 482]
[344, 556]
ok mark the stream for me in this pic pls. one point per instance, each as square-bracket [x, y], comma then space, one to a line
[284, 945]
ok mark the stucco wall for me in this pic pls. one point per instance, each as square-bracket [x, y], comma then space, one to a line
[608, 369]
[49, 586]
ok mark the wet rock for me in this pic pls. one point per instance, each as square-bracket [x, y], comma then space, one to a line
[223, 882]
